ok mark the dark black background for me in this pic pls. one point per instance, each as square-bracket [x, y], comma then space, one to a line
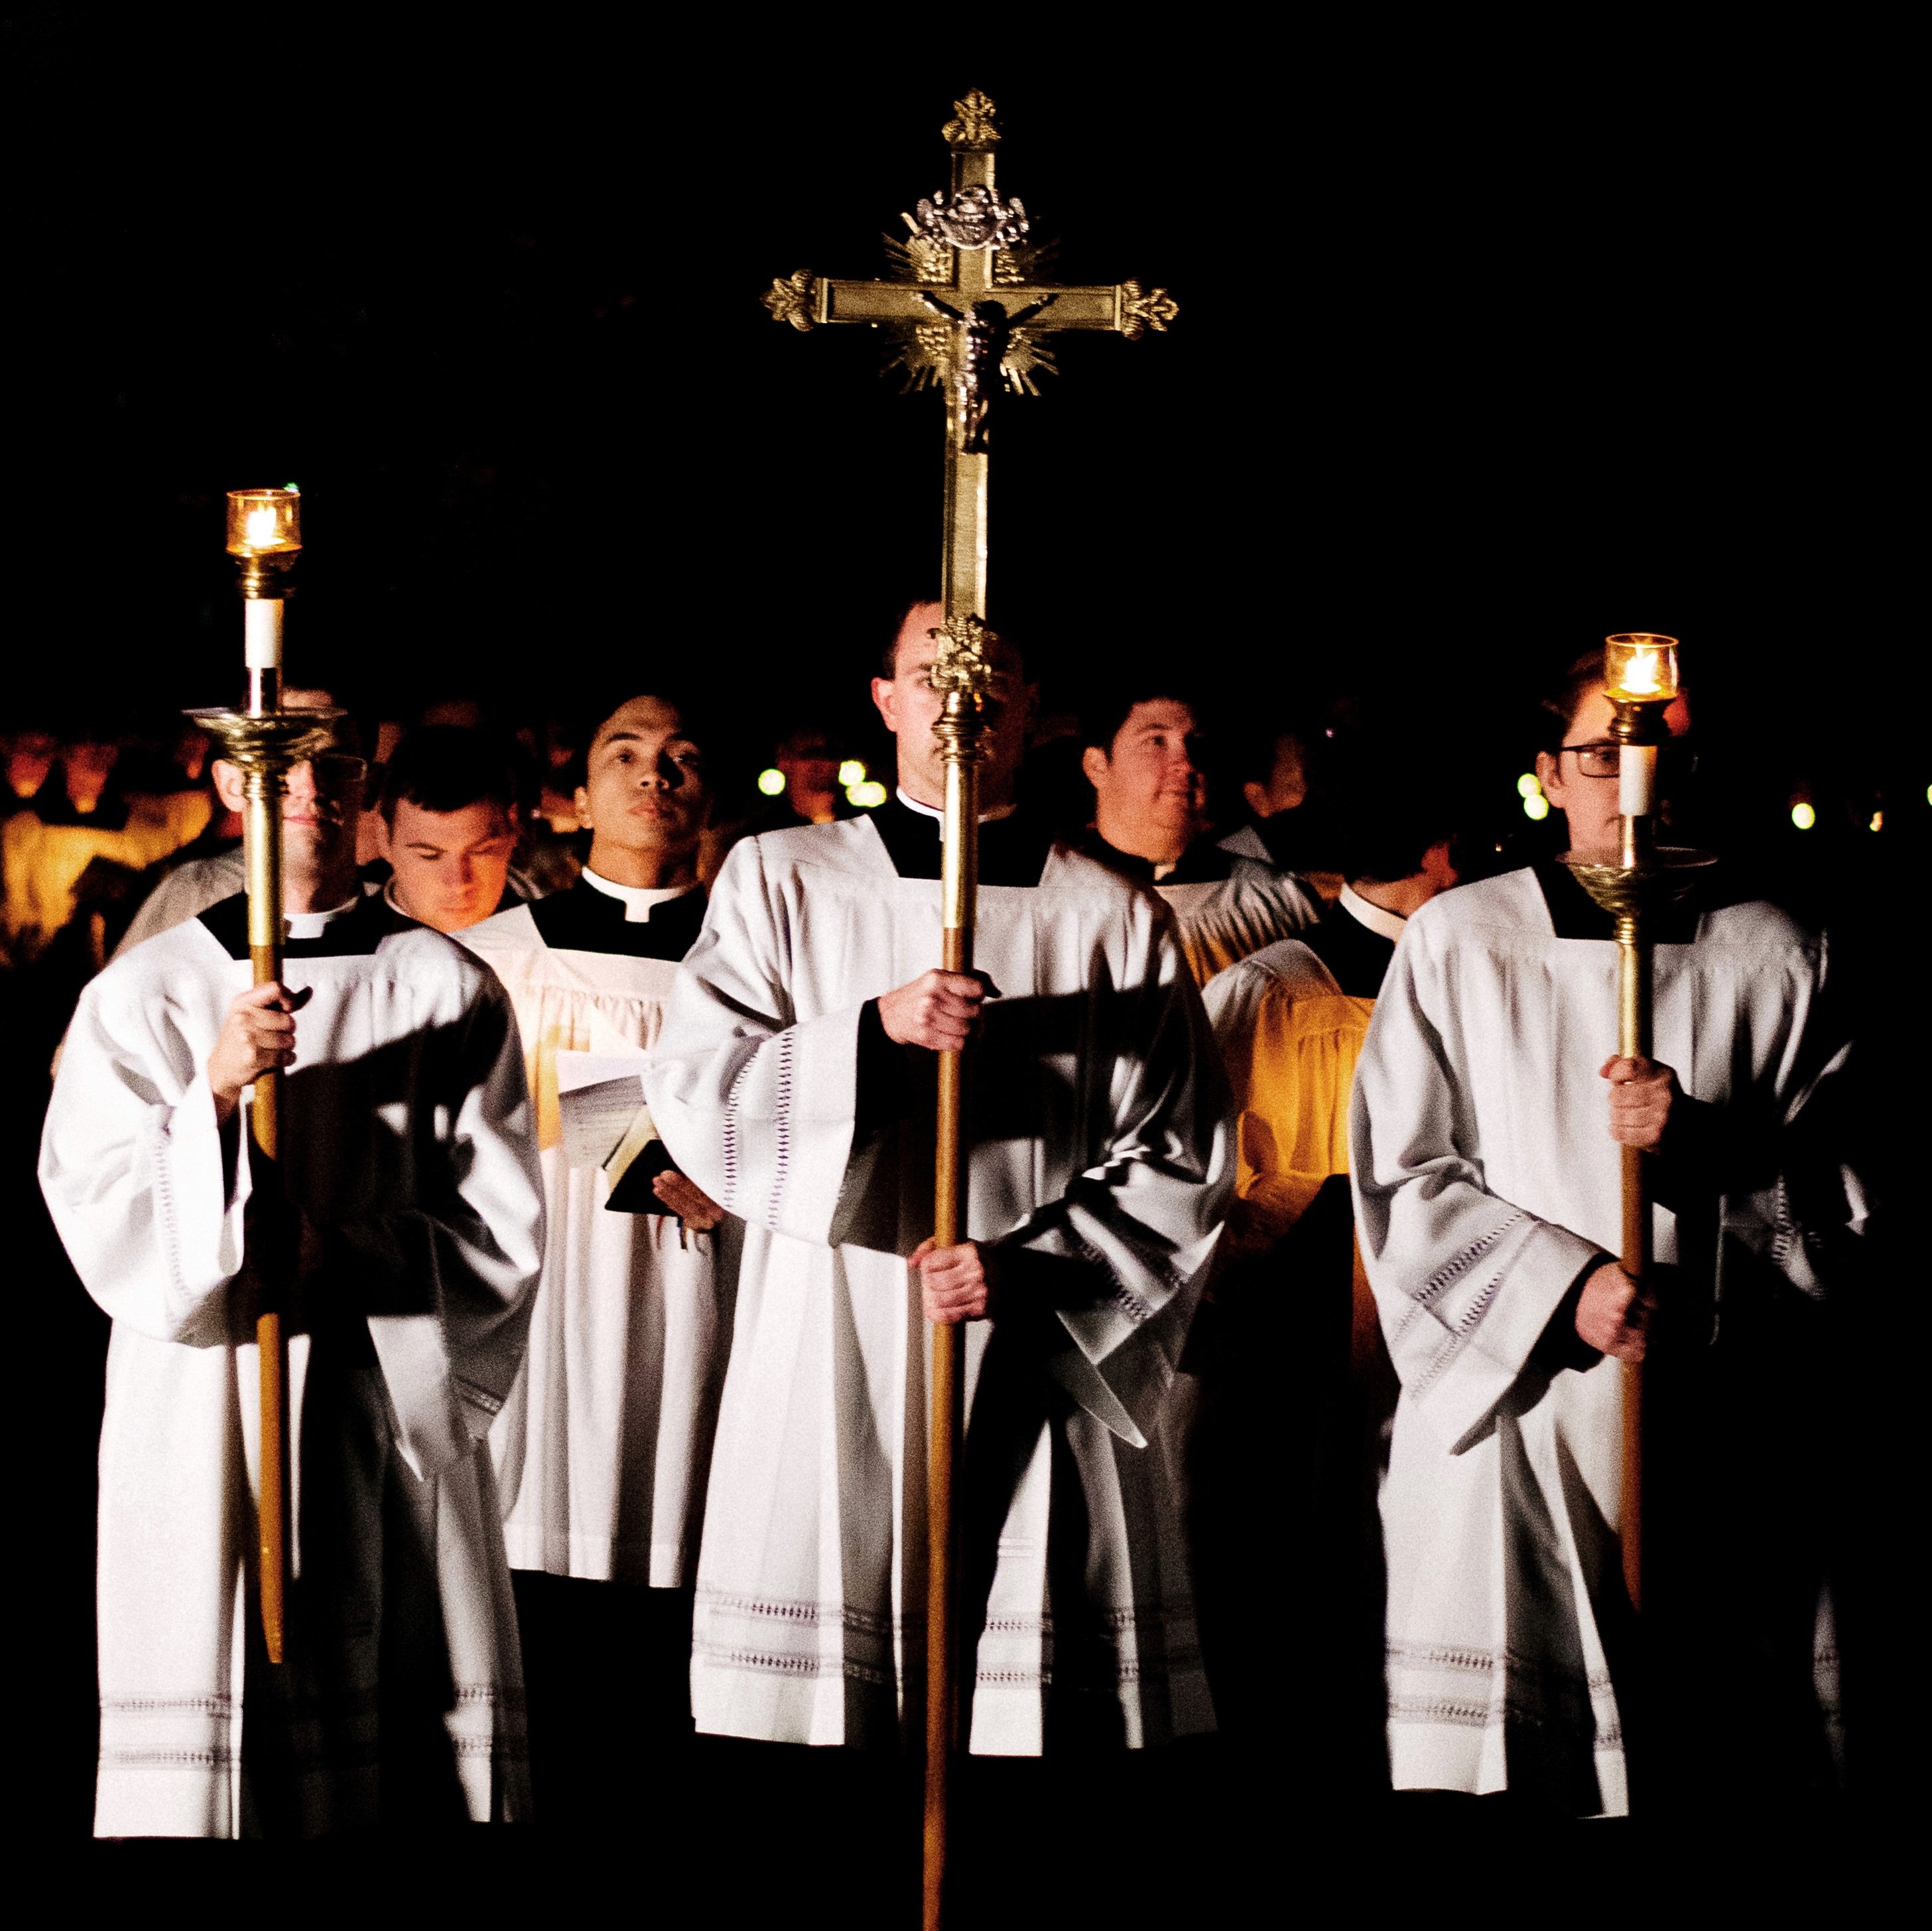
[1489, 343]
[1495, 337]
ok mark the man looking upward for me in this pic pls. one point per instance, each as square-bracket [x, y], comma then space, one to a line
[602, 1448]
[1143, 757]
[402, 1226]
[449, 823]
[795, 1081]
[1488, 1204]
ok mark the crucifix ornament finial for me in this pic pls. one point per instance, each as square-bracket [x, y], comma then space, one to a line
[974, 127]
[960, 662]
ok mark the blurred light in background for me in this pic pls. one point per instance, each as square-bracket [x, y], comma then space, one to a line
[851, 772]
[1803, 816]
[868, 796]
[1536, 807]
[1878, 821]
[771, 782]
[1527, 785]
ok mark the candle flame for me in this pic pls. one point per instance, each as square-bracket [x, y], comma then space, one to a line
[262, 528]
[1639, 677]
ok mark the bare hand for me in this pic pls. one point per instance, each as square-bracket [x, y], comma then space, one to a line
[1611, 1315]
[938, 1010]
[688, 1201]
[1641, 1093]
[257, 1036]
[952, 1282]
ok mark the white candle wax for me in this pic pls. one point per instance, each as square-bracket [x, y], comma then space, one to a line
[262, 633]
[1637, 781]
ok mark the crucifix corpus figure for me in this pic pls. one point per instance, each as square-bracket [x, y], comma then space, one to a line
[967, 314]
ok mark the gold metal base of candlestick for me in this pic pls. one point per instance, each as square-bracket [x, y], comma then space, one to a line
[1660, 878]
[268, 741]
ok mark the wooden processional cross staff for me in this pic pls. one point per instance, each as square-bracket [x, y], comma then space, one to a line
[967, 315]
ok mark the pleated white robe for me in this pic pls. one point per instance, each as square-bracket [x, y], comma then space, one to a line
[601, 1449]
[1222, 920]
[1485, 1183]
[407, 1144]
[1099, 1169]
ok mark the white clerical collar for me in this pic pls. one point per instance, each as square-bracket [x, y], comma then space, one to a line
[1390, 924]
[638, 899]
[311, 925]
[933, 811]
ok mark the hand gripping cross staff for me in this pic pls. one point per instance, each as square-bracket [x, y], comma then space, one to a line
[1641, 680]
[264, 741]
[967, 315]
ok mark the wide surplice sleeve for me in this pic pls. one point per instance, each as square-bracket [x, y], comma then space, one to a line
[1465, 1282]
[445, 1275]
[1121, 1256]
[146, 1197]
[757, 1105]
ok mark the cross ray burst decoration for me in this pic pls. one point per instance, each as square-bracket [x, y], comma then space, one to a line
[922, 352]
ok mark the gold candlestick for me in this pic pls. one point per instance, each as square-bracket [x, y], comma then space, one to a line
[263, 741]
[1640, 678]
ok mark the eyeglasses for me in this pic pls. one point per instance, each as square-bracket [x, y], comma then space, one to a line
[1600, 758]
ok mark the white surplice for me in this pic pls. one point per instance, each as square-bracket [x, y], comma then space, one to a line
[1485, 1183]
[1223, 919]
[601, 1449]
[407, 1143]
[1099, 1170]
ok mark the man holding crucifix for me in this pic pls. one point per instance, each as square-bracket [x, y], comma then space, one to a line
[795, 1083]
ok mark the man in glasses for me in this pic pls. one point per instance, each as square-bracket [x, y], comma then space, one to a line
[315, 792]
[401, 1228]
[1485, 1125]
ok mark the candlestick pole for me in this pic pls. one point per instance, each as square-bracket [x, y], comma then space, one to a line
[1645, 879]
[263, 741]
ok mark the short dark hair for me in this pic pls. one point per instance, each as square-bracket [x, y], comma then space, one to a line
[1385, 831]
[1101, 719]
[449, 768]
[1257, 752]
[889, 654]
[1557, 708]
[693, 720]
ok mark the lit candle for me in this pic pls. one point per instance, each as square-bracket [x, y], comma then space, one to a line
[1639, 667]
[264, 537]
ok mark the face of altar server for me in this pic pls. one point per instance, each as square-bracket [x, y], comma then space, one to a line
[645, 798]
[320, 810]
[911, 707]
[450, 867]
[1150, 790]
[1589, 804]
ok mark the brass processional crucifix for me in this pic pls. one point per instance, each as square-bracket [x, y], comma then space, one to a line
[967, 315]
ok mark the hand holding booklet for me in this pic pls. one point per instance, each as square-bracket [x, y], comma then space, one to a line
[606, 1124]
